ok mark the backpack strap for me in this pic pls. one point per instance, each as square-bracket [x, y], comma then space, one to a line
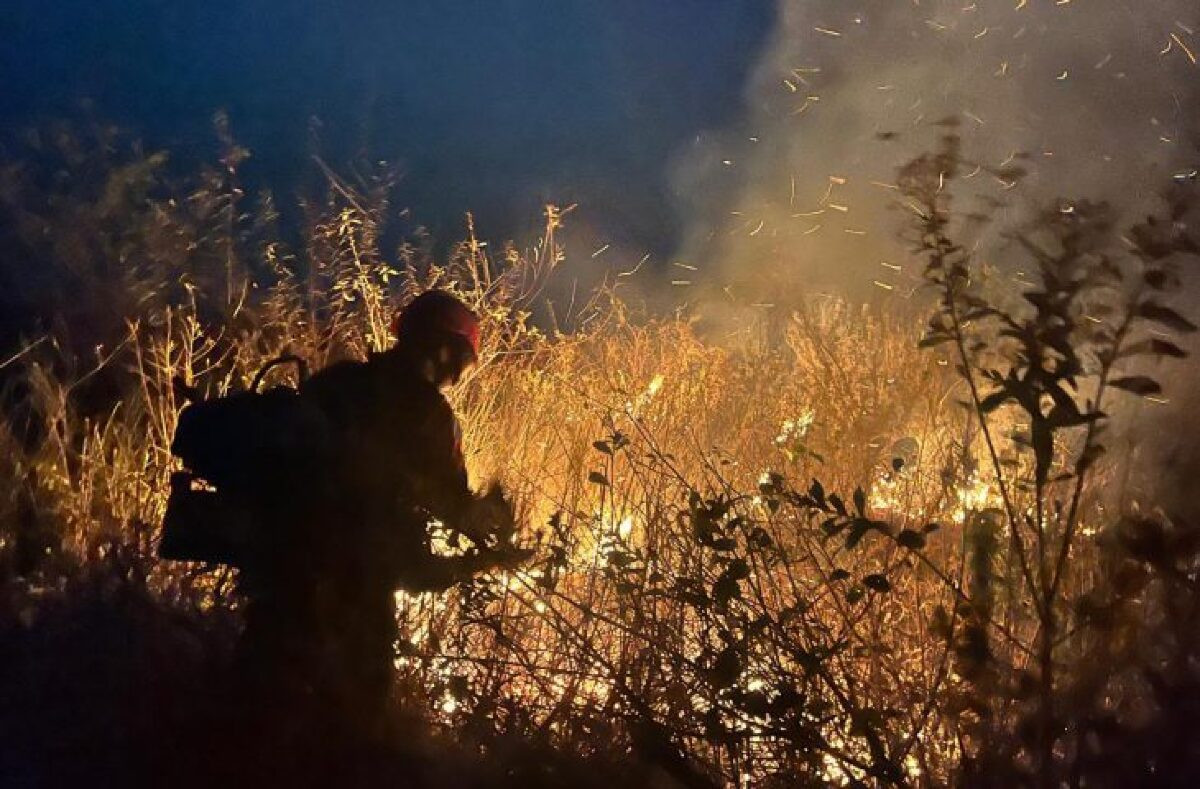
[289, 358]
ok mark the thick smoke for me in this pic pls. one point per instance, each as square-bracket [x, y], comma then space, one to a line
[1098, 96]
[1095, 99]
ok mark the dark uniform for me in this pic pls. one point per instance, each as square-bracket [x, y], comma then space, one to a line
[320, 621]
[323, 499]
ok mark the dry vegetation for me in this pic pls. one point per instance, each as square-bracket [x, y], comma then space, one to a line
[945, 604]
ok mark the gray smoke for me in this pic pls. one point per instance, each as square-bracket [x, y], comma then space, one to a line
[1099, 94]
[1095, 99]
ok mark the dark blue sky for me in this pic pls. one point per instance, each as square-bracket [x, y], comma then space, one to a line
[491, 105]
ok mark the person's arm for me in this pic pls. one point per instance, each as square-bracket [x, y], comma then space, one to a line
[444, 490]
[439, 471]
[438, 573]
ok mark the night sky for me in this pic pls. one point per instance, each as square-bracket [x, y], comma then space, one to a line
[490, 105]
[736, 137]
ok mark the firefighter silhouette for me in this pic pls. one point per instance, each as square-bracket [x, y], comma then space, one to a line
[326, 507]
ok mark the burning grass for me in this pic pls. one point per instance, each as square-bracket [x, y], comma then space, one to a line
[698, 601]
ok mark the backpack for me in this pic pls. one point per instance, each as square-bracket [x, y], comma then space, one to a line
[242, 453]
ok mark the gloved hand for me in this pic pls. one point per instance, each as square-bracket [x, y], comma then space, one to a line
[490, 523]
[496, 512]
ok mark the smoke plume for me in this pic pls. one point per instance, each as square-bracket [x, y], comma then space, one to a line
[1094, 98]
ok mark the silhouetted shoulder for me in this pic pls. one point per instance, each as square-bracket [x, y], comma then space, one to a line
[385, 396]
[341, 390]
[335, 378]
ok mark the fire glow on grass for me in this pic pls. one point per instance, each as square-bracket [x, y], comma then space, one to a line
[600, 436]
[654, 471]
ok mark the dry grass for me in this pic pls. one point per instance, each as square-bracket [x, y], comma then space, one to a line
[780, 652]
[680, 414]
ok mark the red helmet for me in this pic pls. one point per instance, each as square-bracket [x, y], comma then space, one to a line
[434, 315]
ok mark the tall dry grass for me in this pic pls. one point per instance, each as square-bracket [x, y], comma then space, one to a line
[697, 600]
